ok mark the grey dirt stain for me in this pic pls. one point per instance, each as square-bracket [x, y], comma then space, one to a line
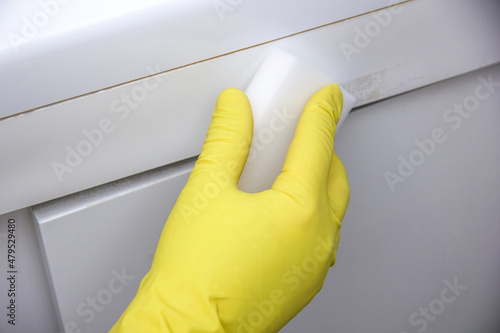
[367, 88]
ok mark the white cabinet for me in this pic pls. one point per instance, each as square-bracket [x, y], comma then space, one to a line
[401, 250]
[118, 118]
[99, 243]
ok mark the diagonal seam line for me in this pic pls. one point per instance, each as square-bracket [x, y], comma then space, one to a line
[202, 61]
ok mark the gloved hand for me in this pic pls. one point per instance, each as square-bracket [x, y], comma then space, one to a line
[230, 261]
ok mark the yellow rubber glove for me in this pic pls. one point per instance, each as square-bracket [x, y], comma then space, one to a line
[230, 261]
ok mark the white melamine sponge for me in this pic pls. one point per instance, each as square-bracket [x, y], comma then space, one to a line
[278, 93]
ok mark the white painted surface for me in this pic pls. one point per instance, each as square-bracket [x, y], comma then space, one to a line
[442, 223]
[33, 304]
[396, 248]
[170, 123]
[99, 244]
[84, 46]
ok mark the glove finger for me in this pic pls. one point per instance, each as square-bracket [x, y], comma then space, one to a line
[338, 187]
[228, 138]
[308, 159]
